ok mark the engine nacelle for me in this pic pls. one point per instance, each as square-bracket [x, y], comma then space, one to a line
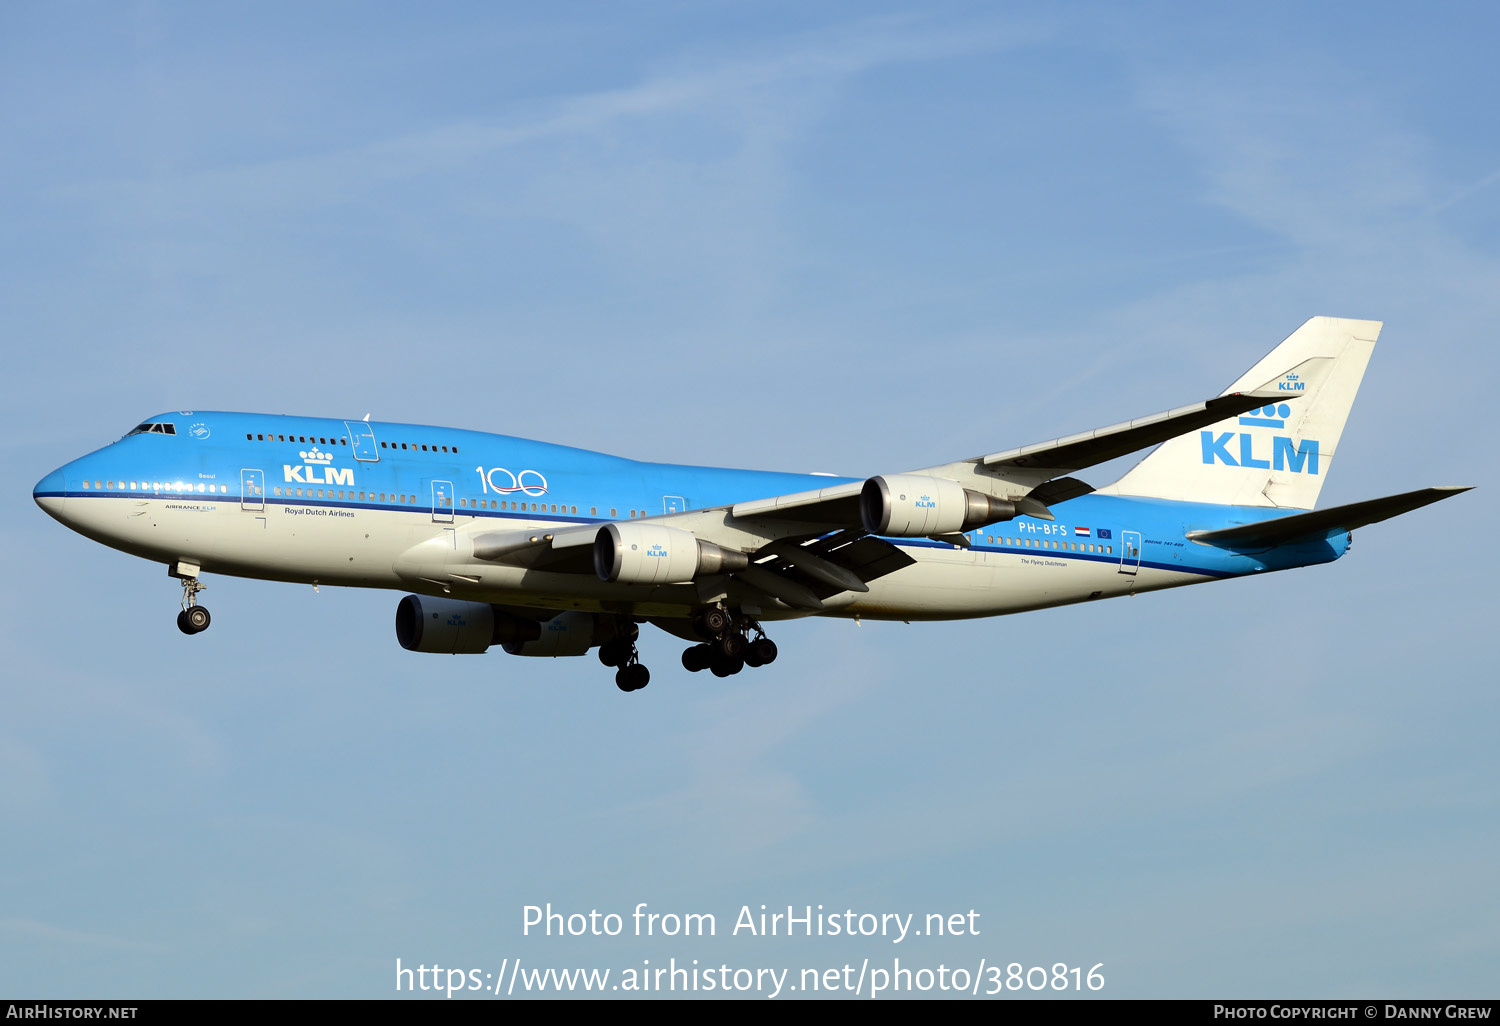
[916, 506]
[657, 554]
[567, 634]
[426, 624]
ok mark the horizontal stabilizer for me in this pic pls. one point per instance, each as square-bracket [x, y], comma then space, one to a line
[1281, 530]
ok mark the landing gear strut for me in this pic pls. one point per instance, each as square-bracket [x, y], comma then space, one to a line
[193, 619]
[731, 649]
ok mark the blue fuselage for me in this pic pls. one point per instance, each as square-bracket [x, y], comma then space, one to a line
[339, 502]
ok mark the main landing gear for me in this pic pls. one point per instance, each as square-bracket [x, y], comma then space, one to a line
[730, 649]
[630, 673]
[193, 619]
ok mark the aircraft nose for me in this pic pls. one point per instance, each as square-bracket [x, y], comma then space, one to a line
[50, 493]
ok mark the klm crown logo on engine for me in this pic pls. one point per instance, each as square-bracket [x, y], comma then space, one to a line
[657, 551]
[317, 470]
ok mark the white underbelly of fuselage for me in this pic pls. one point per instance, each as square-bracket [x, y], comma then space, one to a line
[410, 550]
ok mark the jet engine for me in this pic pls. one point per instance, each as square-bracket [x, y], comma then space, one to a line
[566, 634]
[656, 554]
[426, 624]
[915, 506]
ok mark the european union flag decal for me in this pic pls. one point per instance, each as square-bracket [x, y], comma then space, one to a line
[1103, 532]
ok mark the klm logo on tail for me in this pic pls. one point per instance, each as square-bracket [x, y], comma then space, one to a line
[1297, 457]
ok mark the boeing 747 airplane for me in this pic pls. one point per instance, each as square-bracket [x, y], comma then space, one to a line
[547, 550]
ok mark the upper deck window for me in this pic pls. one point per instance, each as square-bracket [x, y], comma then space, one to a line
[157, 429]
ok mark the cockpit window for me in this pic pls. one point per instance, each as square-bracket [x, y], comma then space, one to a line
[158, 429]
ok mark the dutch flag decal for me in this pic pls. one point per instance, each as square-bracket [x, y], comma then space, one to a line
[1082, 532]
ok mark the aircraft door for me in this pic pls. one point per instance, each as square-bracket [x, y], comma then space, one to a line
[362, 441]
[253, 490]
[1130, 552]
[442, 502]
[673, 504]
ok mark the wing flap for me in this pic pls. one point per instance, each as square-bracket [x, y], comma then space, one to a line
[815, 566]
[804, 572]
[780, 586]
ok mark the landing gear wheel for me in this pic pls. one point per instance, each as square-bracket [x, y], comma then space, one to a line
[696, 658]
[711, 622]
[614, 653]
[762, 651]
[731, 646]
[193, 620]
[632, 677]
[723, 667]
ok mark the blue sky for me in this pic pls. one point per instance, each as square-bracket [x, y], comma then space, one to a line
[850, 238]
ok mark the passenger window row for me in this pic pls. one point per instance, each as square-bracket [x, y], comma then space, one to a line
[414, 447]
[347, 496]
[254, 436]
[300, 439]
[543, 507]
[535, 507]
[154, 486]
[1044, 543]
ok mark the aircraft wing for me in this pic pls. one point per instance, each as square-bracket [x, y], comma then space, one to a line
[1074, 452]
[1031, 472]
[801, 571]
[803, 548]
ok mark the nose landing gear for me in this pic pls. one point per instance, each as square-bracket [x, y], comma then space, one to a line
[193, 619]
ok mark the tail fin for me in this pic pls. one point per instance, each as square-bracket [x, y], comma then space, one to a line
[1277, 455]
